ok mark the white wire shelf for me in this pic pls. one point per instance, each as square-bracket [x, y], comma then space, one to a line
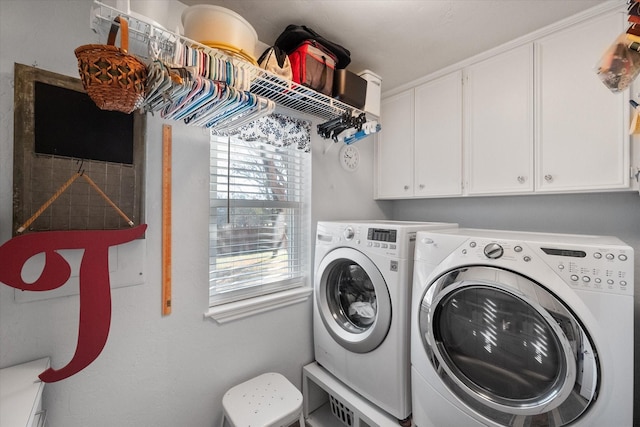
[149, 41]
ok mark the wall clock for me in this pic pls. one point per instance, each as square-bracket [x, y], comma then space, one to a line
[349, 158]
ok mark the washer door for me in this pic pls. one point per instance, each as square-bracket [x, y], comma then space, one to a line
[508, 348]
[353, 300]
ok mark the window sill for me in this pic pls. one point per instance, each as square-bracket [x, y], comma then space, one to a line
[237, 310]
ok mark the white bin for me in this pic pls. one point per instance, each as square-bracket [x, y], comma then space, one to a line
[374, 89]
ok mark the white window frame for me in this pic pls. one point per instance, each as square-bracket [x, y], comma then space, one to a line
[257, 299]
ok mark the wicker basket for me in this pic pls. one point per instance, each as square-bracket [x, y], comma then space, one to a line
[113, 79]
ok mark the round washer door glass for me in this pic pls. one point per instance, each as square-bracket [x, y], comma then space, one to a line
[507, 347]
[353, 300]
[492, 338]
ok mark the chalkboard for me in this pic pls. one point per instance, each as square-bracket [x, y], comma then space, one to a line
[68, 123]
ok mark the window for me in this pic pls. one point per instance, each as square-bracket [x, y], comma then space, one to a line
[259, 219]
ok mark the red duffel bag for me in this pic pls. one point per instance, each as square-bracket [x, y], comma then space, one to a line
[313, 66]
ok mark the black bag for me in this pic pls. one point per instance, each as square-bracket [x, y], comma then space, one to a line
[294, 35]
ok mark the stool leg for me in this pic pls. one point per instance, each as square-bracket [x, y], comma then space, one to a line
[302, 423]
[224, 417]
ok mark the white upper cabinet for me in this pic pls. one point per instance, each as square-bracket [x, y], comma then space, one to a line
[498, 101]
[438, 137]
[582, 141]
[394, 153]
[530, 117]
[419, 150]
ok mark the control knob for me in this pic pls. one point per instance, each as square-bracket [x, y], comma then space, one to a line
[348, 233]
[493, 251]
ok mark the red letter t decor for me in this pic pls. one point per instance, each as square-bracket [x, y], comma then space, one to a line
[95, 289]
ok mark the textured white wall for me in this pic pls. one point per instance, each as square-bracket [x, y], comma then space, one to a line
[342, 195]
[154, 370]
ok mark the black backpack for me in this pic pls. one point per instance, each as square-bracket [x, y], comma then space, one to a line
[294, 35]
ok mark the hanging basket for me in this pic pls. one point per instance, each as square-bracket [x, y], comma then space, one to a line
[113, 79]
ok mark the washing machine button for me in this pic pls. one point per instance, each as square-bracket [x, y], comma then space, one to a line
[586, 279]
[623, 283]
[597, 255]
[597, 280]
[610, 282]
[472, 244]
[517, 248]
[574, 277]
[349, 233]
[622, 257]
[610, 256]
[526, 258]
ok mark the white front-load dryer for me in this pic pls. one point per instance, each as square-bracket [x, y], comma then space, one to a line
[521, 329]
[362, 291]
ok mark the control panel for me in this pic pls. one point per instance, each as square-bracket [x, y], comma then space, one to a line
[604, 269]
[382, 235]
[380, 240]
[597, 269]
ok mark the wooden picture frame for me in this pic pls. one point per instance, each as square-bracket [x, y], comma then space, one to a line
[115, 163]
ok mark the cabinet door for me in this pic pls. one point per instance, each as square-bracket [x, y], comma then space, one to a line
[438, 137]
[498, 101]
[582, 142]
[395, 147]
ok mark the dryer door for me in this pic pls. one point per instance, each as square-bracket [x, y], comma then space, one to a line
[353, 300]
[508, 348]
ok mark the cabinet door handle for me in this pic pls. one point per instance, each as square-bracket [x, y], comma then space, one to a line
[548, 178]
[521, 179]
[421, 186]
[406, 187]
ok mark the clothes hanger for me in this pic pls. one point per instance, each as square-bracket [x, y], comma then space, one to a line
[216, 106]
[336, 127]
[203, 92]
[264, 107]
[173, 109]
[261, 108]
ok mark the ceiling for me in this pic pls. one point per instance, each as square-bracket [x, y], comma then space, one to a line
[402, 40]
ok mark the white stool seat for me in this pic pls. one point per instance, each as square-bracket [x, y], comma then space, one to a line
[268, 400]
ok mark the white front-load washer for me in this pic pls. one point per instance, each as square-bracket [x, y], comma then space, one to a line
[362, 291]
[521, 329]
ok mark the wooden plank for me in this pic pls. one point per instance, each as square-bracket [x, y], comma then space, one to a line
[166, 220]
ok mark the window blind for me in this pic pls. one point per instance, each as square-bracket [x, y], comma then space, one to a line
[258, 220]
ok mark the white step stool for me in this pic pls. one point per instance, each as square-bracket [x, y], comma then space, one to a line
[268, 400]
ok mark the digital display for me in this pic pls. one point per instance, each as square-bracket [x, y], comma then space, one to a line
[382, 235]
[564, 252]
